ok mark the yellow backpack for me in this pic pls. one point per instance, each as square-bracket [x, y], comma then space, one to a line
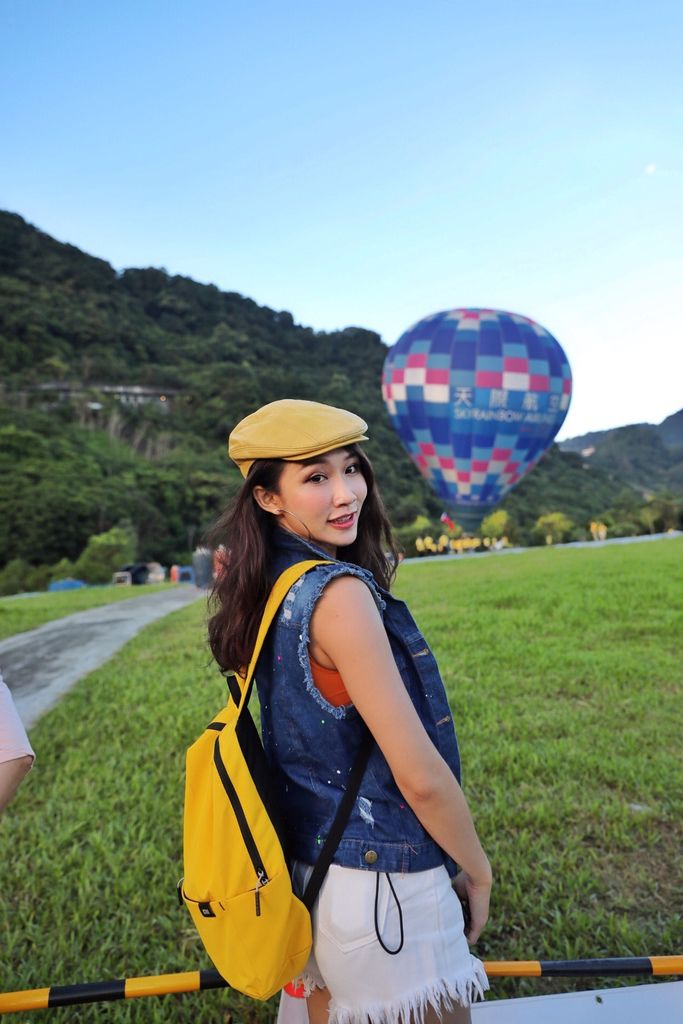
[237, 885]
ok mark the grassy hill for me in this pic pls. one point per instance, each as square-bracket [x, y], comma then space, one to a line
[74, 461]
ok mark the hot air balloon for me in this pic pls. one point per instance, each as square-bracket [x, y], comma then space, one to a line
[476, 397]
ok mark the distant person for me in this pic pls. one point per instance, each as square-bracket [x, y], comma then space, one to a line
[16, 755]
[389, 937]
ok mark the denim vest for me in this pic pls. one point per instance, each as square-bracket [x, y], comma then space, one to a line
[311, 745]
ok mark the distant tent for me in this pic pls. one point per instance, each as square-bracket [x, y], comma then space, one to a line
[157, 573]
[139, 571]
[67, 584]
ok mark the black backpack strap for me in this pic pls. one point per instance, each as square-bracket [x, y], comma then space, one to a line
[340, 819]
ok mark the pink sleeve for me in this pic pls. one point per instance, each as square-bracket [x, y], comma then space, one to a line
[13, 739]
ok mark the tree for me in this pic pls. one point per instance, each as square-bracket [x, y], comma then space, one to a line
[661, 513]
[496, 525]
[38, 577]
[553, 528]
[406, 536]
[13, 576]
[68, 472]
[105, 553]
[63, 570]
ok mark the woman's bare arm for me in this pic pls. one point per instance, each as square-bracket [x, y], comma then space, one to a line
[348, 633]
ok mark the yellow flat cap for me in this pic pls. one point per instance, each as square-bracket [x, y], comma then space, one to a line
[292, 429]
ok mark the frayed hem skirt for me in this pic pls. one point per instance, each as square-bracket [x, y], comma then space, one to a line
[387, 952]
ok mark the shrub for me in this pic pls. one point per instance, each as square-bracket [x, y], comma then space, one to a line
[625, 528]
[105, 553]
[553, 528]
[13, 577]
[407, 535]
[62, 570]
[38, 577]
[497, 525]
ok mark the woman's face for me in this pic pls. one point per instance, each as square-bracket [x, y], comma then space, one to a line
[320, 500]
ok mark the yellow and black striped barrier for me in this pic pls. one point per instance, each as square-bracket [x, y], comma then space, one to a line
[613, 966]
[196, 981]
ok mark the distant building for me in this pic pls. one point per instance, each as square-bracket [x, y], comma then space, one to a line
[54, 392]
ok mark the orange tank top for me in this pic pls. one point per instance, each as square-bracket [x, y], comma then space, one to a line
[330, 684]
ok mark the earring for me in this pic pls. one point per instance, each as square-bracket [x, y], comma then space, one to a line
[285, 511]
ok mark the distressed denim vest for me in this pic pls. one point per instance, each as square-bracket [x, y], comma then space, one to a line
[311, 745]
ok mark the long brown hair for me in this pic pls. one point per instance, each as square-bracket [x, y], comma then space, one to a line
[244, 532]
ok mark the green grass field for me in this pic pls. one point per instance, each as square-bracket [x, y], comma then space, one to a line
[565, 671]
[18, 614]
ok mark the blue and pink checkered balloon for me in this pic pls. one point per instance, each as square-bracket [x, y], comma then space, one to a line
[476, 396]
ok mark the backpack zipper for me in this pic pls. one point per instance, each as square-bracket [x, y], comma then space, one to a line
[257, 898]
[249, 842]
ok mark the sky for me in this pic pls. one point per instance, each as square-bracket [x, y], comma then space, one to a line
[371, 163]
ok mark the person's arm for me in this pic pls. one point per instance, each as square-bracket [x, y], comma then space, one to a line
[348, 633]
[11, 774]
[16, 756]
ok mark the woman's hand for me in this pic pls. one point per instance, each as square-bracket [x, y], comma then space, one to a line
[476, 894]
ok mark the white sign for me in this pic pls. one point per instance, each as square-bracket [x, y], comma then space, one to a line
[660, 1003]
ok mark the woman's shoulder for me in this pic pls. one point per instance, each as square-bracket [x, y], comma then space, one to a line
[348, 597]
[337, 581]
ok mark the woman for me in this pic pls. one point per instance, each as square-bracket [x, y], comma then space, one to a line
[388, 940]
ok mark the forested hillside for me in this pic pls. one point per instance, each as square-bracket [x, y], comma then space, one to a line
[75, 461]
[646, 456]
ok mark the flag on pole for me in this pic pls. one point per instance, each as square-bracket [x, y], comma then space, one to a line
[445, 518]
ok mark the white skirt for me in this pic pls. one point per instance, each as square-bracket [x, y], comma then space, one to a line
[385, 955]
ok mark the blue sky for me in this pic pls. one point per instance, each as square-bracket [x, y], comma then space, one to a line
[370, 163]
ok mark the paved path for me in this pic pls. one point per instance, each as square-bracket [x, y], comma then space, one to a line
[39, 666]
